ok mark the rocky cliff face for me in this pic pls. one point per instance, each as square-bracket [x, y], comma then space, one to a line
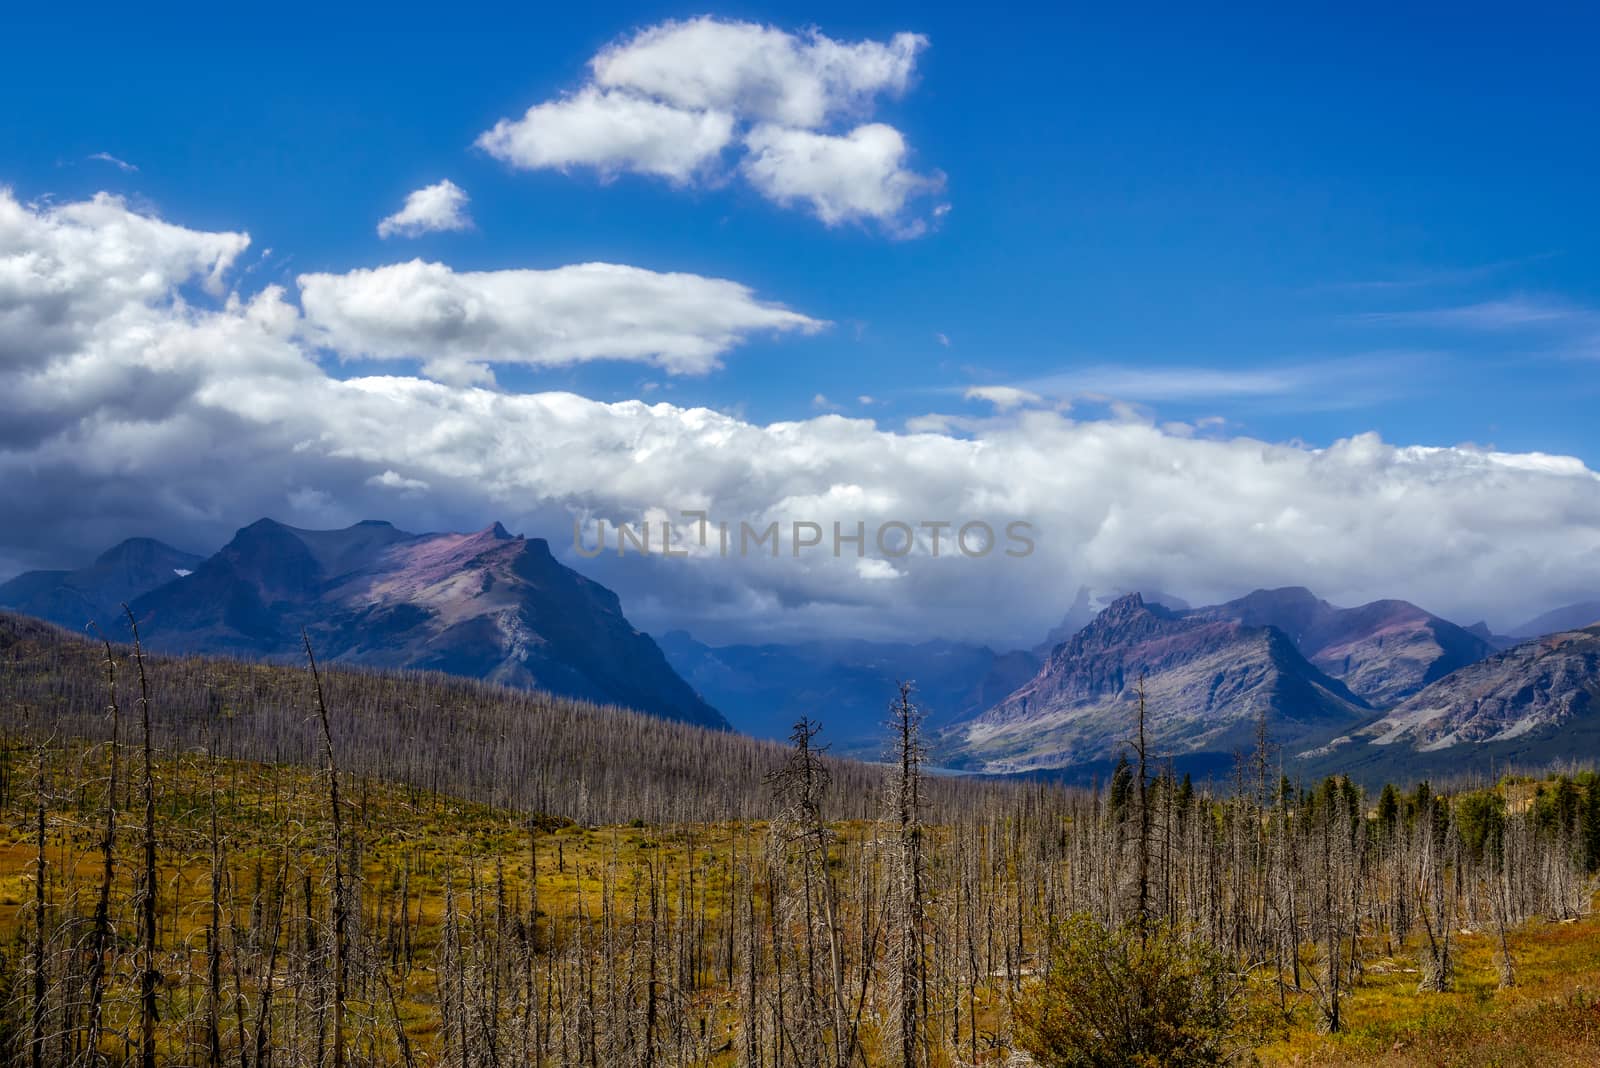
[486, 605]
[1207, 681]
[1384, 651]
[1527, 690]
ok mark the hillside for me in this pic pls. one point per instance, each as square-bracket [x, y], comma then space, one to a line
[493, 744]
[1534, 704]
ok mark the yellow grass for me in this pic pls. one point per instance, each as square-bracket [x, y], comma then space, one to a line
[1551, 1018]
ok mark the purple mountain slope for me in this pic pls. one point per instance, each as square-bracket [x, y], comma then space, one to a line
[486, 605]
[1384, 651]
[1524, 691]
[1207, 682]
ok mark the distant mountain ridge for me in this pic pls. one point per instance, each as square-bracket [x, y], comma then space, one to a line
[1384, 684]
[96, 593]
[483, 605]
[1532, 704]
[845, 685]
[1207, 682]
[1567, 617]
[1384, 689]
[1384, 651]
[1537, 684]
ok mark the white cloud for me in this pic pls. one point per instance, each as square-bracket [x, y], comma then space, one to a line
[120, 164]
[394, 480]
[1559, 327]
[799, 80]
[876, 570]
[1003, 397]
[167, 412]
[672, 98]
[438, 207]
[938, 423]
[612, 132]
[1515, 313]
[67, 271]
[859, 176]
[459, 322]
[1326, 383]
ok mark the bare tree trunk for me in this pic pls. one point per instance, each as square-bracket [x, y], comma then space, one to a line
[149, 975]
[40, 976]
[214, 938]
[340, 951]
[907, 948]
[108, 852]
[1142, 905]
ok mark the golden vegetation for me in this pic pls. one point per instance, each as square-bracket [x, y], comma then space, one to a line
[812, 913]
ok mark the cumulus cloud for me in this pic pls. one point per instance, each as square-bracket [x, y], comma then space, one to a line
[396, 481]
[433, 208]
[68, 271]
[612, 132]
[167, 411]
[801, 80]
[458, 322]
[859, 176]
[670, 100]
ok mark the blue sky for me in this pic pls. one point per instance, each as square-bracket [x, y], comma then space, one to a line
[1256, 296]
[1149, 188]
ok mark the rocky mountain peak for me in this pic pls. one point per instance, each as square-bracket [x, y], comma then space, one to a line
[1207, 681]
[140, 551]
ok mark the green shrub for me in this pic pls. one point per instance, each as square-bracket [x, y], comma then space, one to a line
[1112, 997]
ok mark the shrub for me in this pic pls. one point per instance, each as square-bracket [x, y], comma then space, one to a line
[1113, 997]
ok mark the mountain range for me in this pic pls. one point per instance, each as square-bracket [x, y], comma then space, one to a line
[1381, 688]
[1533, 704]
[1384, 651]
[485, 605]
[1206, 681]
[96, 593]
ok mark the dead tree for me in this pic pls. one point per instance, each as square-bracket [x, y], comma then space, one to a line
[340, 950]
[907, 948]
[100, 938]
[149, 974]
